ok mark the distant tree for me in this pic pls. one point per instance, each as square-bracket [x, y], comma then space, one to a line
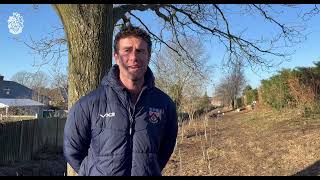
[250, 95]
[237, 81]
[24, 78]
[59, 89]
[175, 76]
[246, 89]
[40, 83]
[60, 81]
[221, 92]
[191, 101]
[37, 81]
[40, 79]
[204, 102]
[31, 80]
[231, 85]
[57, 98]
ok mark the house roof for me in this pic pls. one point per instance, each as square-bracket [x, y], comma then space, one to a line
[18, 102]
[11, 89]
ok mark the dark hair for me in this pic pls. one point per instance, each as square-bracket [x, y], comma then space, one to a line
[130, 30]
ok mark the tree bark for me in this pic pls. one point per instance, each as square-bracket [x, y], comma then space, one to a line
[89, 30]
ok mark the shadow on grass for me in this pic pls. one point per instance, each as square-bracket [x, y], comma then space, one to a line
[312, 170]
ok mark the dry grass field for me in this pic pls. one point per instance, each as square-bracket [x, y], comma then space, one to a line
[248, 143]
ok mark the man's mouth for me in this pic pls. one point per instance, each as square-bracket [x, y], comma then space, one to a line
[134, 67]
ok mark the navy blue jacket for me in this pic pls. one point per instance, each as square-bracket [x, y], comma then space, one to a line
[105, 134]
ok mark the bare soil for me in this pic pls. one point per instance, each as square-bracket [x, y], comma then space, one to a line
[44, 164]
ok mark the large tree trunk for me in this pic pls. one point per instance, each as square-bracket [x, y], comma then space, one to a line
[89, 30]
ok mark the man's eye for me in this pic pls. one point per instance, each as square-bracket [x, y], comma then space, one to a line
[140, 51]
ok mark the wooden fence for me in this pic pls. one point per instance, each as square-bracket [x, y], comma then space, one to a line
[22, 139]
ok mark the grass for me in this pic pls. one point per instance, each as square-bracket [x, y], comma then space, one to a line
[290, 118]
[259, 142]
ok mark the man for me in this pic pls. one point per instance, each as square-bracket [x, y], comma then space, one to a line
[126, 126]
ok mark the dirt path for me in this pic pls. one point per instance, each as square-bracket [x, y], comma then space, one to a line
[248, 143]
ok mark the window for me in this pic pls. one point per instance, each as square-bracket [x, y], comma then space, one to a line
[7, 91]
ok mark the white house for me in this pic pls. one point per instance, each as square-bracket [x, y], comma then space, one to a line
[30, 106]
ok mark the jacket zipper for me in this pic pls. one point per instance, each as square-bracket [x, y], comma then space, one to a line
[133, 113]
[131, 120]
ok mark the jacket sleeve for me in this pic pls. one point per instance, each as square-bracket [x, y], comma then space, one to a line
[170, 135]
[77, 133]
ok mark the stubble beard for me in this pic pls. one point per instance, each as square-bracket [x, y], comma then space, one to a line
[134, 76]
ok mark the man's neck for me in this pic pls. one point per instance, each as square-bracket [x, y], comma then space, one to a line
[134, 87]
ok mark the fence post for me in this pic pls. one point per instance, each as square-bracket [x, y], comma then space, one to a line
[57, 134]
[21, 140]
[33, 134]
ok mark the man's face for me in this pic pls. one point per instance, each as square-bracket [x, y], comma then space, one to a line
[132, 58]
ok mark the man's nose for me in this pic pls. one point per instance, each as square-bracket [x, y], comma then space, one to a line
[133, 55]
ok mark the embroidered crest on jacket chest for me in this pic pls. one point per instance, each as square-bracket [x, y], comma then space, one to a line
[155, 115]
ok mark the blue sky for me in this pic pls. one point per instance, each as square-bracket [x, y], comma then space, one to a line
[15, 56]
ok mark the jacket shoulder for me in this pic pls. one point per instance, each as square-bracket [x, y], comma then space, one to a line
[162, 96]
[93, 97]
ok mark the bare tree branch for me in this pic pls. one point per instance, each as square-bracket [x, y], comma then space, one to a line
[237, 45]
[51, 48]
[283, 28]
[155, 36]
[227, 25]
[194, 68]
[314, 11]
[185, 20]
[239, 40]
[120, 11]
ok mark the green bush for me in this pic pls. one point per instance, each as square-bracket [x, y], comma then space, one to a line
[293, 88]
[251, 95]
[276, 91]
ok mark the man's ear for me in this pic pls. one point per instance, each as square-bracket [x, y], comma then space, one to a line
[116, 57]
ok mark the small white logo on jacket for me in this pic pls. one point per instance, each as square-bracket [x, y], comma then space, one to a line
[112, 114]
